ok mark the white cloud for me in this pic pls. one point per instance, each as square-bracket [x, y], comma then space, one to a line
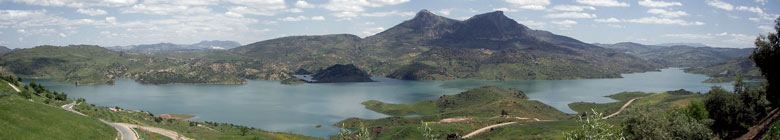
[63, 35]
[664, 13]
[720, 4]
[762, 2]
[572, 8]
[295, 10]
[656, 20]
[688, 36]
[318, 18]
[183, 2]
[445, 12]
[571, 15]
[532, 24]
[163, 9]
[372, 31]
[609, 20]
[616, 26]
[391, 13]
[298, 18]
[303, 4]
[751, 9]
[359, 5]
[605, 3]
[651, 3]
[258, 7]
[77, 3]
[766, 28]
[111, 20]
[505, 9]
[529, 4]
[92, 11]
[565, 23]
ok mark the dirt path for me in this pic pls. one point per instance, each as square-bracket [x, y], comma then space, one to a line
[14, 87]
[164, 132]
[484, 129]
[621, 109]
[125, 130]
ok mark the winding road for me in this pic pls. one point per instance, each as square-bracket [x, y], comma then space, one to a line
[621, 109]
[481, 130]
[126, 133]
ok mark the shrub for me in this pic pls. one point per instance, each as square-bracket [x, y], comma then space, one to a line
[593, 128]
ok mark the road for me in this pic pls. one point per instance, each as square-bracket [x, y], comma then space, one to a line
[164, 132]
[126, 133]
[12, 86]
[481, 130]
[621, 109]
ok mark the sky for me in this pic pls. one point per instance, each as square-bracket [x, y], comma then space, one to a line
[30, 23]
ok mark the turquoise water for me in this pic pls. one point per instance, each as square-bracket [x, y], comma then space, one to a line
[272, 106]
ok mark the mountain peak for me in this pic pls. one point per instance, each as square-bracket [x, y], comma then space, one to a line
[424, 14]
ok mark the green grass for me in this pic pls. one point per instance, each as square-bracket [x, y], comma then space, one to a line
[147, 135]
[422, 108]
[22, 119]
[532, 130]
[662, 100]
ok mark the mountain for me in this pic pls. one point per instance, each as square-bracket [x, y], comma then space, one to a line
[170, 47]
[4, 50]
[487, 46]
[680, 55]
[728, 70]
[430, 47]
[683, 44]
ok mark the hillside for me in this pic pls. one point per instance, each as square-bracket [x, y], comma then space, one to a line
[86, 64]
[23, 119]
[728, 70]
[4, 50]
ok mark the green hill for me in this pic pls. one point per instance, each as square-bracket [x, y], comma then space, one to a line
[481, 106]
[23, 119]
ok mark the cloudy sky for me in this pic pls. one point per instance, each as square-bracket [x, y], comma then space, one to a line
[29, 23]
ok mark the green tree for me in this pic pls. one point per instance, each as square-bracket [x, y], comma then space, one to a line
[244, 129]
[766, 57]
[696, 110]
[726, 110]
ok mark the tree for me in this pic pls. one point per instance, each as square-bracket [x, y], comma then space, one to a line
[644, 123]
[766, 57]
[244, 129]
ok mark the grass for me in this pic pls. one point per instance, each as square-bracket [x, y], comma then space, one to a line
[146, 135]
[22, 119]
[654, 100]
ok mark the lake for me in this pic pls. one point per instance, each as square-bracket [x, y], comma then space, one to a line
[272, 106]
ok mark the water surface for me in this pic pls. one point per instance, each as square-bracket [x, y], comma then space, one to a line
[272, 106]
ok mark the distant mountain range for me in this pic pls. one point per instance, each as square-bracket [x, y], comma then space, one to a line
[683, 44]
[722, 64]
[487, 46]
[170, 47]
[4, 50]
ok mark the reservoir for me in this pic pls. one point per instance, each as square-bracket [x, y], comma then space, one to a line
[272, 106]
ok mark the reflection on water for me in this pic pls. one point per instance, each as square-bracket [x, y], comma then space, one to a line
[272, 106]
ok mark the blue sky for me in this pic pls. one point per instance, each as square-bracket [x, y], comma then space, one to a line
[29, 23]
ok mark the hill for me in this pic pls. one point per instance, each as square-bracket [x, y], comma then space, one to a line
[341, 73]
[454, 114]
[728, 70]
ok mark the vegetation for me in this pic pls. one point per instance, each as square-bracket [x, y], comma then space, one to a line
[766, 56]
[146, 135]
[594, 128]
[25, 119]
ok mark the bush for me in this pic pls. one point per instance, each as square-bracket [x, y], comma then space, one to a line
[644, 123]
[593, 128]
